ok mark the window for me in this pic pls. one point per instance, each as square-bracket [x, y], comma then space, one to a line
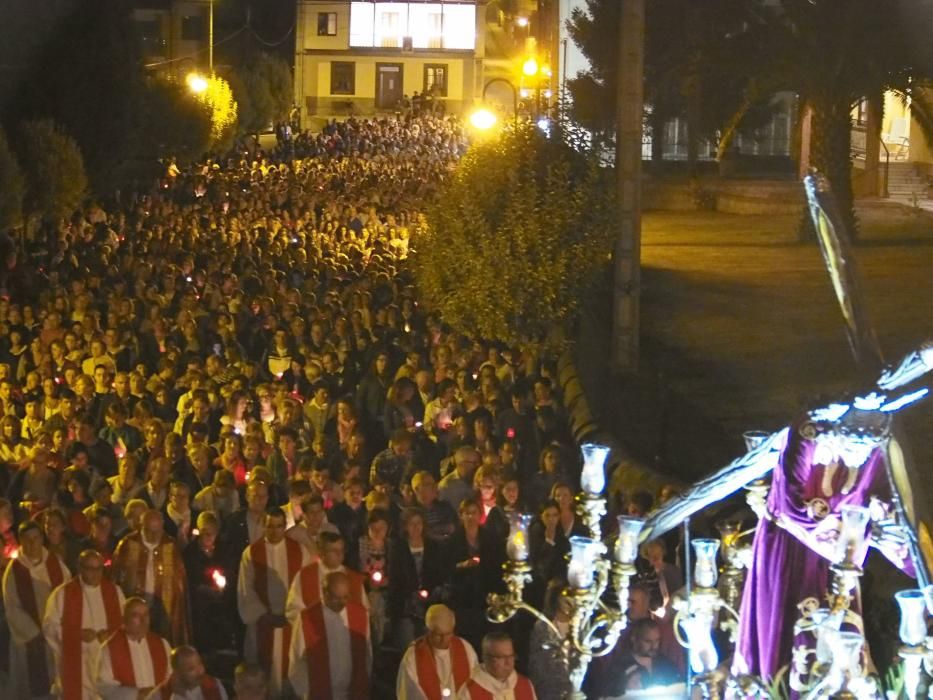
[193, 28]
[862, 115]
[327, 24]
[435, 79]
[342, 78]
[430, 25]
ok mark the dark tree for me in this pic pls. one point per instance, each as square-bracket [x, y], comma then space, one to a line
[11, 187]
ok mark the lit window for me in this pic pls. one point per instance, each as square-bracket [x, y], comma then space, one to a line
[362, 23]
[435, 79]
[327, 24]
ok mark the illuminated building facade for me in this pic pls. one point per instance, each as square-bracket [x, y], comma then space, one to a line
[363, 57]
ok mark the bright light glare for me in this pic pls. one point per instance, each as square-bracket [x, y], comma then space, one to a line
[543, 124]
[483, 119]
[521, 21]
[197, 83]
[530, 67]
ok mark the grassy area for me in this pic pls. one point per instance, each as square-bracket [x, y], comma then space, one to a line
[740, 328]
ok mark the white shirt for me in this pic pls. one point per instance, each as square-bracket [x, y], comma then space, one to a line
[22, 627]
[143, 671]
[340, 658]
[407, 686]
[193, 694]
[93, 616]
[149, 583]
[500, 690]
[252, 608]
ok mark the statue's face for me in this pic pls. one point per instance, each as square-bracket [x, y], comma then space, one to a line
[855, 451]
[851, 450]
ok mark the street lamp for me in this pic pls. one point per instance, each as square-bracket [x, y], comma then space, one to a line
[210, 37]
[196, 83]
[483, 119]
[530, 67]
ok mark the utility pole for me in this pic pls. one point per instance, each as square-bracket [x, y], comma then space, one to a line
[627, 255]
[210, 37]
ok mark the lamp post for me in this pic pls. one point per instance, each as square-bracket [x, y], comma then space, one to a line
[598, 619]
[210, 37]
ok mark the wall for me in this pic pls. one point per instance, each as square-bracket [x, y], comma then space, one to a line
[315, 69]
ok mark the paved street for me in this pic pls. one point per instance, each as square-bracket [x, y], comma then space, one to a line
[740, 321]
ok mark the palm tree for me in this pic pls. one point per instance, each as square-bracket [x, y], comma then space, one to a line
[834, 54]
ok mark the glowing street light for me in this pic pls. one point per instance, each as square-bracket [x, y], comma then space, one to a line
[521, 21]
[197, 83]
[483, 119]
[530, 67]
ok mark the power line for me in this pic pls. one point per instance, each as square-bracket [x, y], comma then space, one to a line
[272, 43]
[200, 51]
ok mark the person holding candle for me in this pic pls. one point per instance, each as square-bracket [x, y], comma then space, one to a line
[212, 583]
[476, 568]
[417, 570]
[438, 664]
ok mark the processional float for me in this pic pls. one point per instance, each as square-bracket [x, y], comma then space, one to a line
[826, 467]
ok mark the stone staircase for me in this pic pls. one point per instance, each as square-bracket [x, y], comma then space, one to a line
[906, 182]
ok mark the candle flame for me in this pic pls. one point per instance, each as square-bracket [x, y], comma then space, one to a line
[219, 579]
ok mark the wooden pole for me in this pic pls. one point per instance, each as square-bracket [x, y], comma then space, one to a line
[627, 256]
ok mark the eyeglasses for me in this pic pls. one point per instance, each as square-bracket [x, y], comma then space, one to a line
[500, 657]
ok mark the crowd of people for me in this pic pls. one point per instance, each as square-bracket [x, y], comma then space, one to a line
[239, 455]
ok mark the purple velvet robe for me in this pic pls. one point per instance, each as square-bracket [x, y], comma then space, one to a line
[784, 570]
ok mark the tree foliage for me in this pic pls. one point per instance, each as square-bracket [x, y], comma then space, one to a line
[835, 54]
[697, 60]
[175, 124]
[11, 187]
[53, 169]
[218, 100]
[517, 238]
[89, 79]
[264, 92]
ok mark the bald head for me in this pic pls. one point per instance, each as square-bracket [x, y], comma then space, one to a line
[336, 590]
[440, 621]
[153, 525]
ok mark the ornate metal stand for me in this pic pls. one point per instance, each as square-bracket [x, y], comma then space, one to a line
[598, 587]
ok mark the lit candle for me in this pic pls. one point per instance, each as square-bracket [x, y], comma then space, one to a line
[220, 581]
[593, 476]
[517, 546]
[583, 552]
[705, 572]
[423, 594]
[627, 542]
